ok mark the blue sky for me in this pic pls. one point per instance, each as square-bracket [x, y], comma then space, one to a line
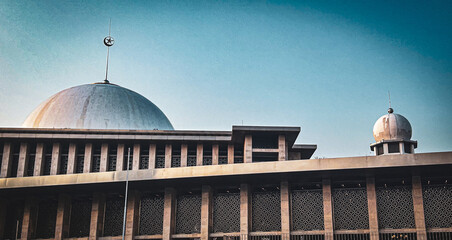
[326, 66]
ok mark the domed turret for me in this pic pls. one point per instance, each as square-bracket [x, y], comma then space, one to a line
[98, 106]
[392, 133]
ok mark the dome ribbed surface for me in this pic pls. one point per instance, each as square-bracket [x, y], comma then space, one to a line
[392, 126]
[98, 106]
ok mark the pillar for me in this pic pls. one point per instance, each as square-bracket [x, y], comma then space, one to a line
[168, 155]
[285, 211]
[120, 157]
[22, 165]
[385, 148]
[104, 157]
[230, 154]
[136, 156]
[97, 216]
[402, 147]
[132, 217]
[39, 160]
[169, 213]
[199, 154]
[6, 160]
[418, 203]
[215, 153]
[245, 211]
[56, 156]
[72, 158]
[152, 154]
[282, 153]
[88, 158]
[372, 208]
[29, 219]
[63, 214]
[183, 155]
[248, 149]
[327, 209]
[206, 212]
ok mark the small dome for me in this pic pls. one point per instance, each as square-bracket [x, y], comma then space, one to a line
[98, 106]
[392, 126]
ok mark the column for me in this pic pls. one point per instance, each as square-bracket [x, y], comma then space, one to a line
[402, 147]
[199, 154]
[97, 216]
[230, 154]
[327, 209]
[132, 217]
[23, 160]
[6, 160]
[183, 155]
[71, 160]
[285, 211]
[120, 157]
[56, 156]
[206, 212]
[215, 153]
[88, 158]
[372, 207]
[39, 163]
[136, 156]
[104, 157]
[168, 153]
[245, 211]
[385, 148]
[282, 153]
[3, 209]
[29, 219]
[248, 149]
[63, 213]
[169, 213]
[418, 203]
[152, 154]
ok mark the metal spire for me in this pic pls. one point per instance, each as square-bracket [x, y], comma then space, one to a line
[108, 41]
[390, 110]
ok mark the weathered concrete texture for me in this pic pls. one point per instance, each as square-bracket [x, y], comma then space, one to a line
[282, 150]
[71, 162]
[183, 155]
[88, 158]
[418, 204]
[29, 219]
[230, 154]
[56, 157]
[23, 160]
[206, 212]
[132, 217]
[169, 213]
[120, 158]
[63, 214]
[285, 211]
[199, 154]
[168, 154]
[136, 156]
[97, 216]
[372, 208]
[104, 157]
[215, 152]
[6, 160]
[248, 149]
[152, 155]
[39, 160]
[245, 211]
[327, 209]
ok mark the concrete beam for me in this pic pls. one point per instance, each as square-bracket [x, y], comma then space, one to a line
[23, 160]
[56, 157]
[72, 158]
[418, 203]
[327, 209]
[7, 159]
[372, 208]
[97, 216]
[104, 157]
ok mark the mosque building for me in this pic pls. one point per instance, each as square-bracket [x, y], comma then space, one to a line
[64, 176]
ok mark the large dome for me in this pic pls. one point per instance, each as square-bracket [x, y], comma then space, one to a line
[392, 126]
[98, 106]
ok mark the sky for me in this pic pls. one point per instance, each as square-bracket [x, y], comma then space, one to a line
[326, 66]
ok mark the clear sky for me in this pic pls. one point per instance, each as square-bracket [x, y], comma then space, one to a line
[326, 66]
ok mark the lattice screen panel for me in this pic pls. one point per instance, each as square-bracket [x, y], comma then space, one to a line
[15, 160]
[175, 161]
[114, 213]
[191, 160]
[151, 214]
[226, 212]
[112, 158]
[438, 205]
[266, 211]
[188, 214]
[206, 160]
[63, 164]
[47, 213]
[80, 218]
[350, 208]
[395, 207]
[144, 162]
[80, 163]
[307, 210]
[31, 164]
[223, 160]
[96, 163]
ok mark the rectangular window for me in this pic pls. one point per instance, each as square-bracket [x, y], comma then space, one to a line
[80, 158]
[393, 148]
[126, 155]
[160, 156]
[175, 155]
[191, 155]
[144, 156]
[238, 153]
[47, 158]
[97, 148]
[31, 159]
[112, 157]
[207, 154]
[223, 154]
[15, 160]
[64, 158]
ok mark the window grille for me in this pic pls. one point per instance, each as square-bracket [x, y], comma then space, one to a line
[191, 155]
[307, 209]
[64, 159]
[307, 237]
[31, 160]
[223, 154]
[226, 212]
[47, 213]
[160, 157]
[188, 214]
[238, 154]
[207, 154]
[15, 160]
[144, 157]
[438, 205]
[47, 159]
[80, 158]
[112, 157]
[80, 218]
[362, 236]
[175, 155]
[398, 236]
[114, 211]
[438, 236]
[151, 214]
[96, 158]
[395, 207]
[15, 212]
[266, 211]
[126, 155]
[350, 208]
